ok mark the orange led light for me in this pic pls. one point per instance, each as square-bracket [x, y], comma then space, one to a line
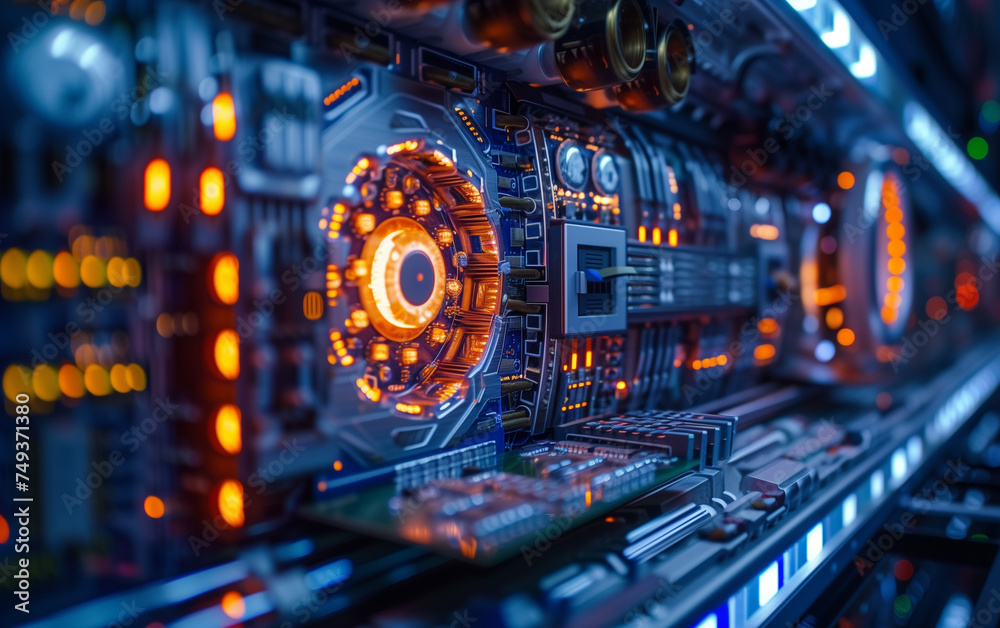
[223, 117]
[834, 318]
[642, 233]
[672, 237]
[224, 271]
[763, 352]
[657, 236]
[233, 605]
[211, 191]
[767, 326]
[227, 354]
[228, 430]
[845, 180]
[156, 187]
[621, 385]
[338, 465]
[845, 337]
[230, 503]
[830, 295]
[153, 507]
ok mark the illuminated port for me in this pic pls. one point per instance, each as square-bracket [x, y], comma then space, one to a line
[227, 354]
[156, 186]
[230, 503]
[224, 271]
[228, 431]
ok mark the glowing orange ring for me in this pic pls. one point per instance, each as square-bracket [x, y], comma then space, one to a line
[389, 311]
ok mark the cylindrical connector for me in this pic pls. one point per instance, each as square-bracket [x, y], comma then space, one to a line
[605, 45]
[666, 76]
[516, 24]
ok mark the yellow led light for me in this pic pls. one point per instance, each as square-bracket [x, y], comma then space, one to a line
[228, 429]
[39, 269]
[14, 268]
[227, 354]
[230, 503]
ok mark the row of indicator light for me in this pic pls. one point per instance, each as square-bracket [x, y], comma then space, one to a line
[43, 270]
[749, 606]
[157, 185]
[157, 176]
[896, 248]
[48, 383]
[656, 236]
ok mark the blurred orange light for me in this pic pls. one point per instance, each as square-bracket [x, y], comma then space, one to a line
[212, 191]
[642, 233]
[834, 318]
[230, 503]
[224, 271]
[672, 237]
[233, 605]
[845, 337]
[767, 326]
[845, 180]
[156, 190]
[621, 385]
[763, 352]
[153, 507]
[4, 530]
[889, 315]
[227, 354]
[224, 117]
[228, 431]
[830, 295]
[657, 236]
